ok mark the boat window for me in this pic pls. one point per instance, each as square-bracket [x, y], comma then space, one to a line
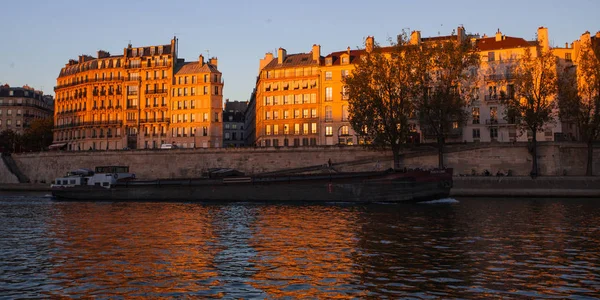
[72, 181]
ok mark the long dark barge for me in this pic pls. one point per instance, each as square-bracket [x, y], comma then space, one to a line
[354, 187]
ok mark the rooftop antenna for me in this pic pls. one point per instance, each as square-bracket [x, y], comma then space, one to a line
[208, 53]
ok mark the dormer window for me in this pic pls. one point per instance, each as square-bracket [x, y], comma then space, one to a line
[328, 61]
[345, 60]
[133, 52]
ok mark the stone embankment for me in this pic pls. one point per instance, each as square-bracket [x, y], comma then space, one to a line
[521, 186]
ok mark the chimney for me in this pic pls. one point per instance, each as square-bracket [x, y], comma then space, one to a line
[265, 61]
[213, 61]
[369, 43]
[281, 54]
[201, 59]
[415, 38]
[316, 53]
[542, 37]
[461, 36]
[498, 35]
[348, 50]
[567, 45]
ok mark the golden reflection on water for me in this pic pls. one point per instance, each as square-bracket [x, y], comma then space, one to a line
[125, 248]
[477, 249]
[301, 254]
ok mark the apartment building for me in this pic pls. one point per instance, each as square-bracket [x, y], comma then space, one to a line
[300, 99]
[141, 99]
[19, 106]
[233, 123]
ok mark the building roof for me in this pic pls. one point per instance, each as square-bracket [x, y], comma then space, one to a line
[232, 106]
[507, 42]
[194, 67]
[293, 60]
[336, 56]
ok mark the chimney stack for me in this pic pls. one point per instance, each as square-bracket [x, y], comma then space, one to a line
[498, 35]
[213, 61]
[316, 53]
[281, 54]
[201, 59]
[265, 61]
[542, 37]
[415, 38]
[369, 43]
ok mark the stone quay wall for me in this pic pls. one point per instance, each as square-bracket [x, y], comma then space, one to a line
[555, 159]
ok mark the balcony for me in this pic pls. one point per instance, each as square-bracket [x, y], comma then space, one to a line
[499, 77]
[497, 122]
[157, 91]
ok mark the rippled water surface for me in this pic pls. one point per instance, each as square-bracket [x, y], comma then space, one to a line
[465, 248]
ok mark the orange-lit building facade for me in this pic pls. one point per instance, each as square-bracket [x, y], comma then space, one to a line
[141, 99]
[300, 99]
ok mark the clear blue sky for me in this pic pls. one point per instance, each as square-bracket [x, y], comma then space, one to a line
[38, 37]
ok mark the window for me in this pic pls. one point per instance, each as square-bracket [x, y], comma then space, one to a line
[296, 128]
[345, 73]
[286, 114]
[491, 56]
[493, 114]
[494, 133]
[476, 133]
[305, 113]
[568, 57]
[275, 114]
[344, 130]
[328, 114]
[328, 93]
[345, 60]
[205, 117]
[268, 130]
[328, 131]
[345, 93]
[275, 129]
[313, 113]
[286, 129]
[328, 75]
[344, 112]
[216, 90]
[475, 114]
[296, 113]
[305, 128]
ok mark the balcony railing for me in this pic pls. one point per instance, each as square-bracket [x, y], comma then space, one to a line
[155, 120]
[498, 122]
[157, 91]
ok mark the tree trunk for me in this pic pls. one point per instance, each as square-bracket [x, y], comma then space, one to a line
[590, 158]
[534, 167]
[441, 152]
[396, 154]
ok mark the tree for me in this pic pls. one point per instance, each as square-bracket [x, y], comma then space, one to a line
[448, 72]
[381, 90]
[9, 141]
[535, 83]
[39, 134]
[579, 98]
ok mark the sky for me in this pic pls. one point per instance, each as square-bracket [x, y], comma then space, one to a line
[38, 37]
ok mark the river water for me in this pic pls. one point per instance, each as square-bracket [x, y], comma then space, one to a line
[453, 248]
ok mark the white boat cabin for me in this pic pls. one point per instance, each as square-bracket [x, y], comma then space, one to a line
[103, 176]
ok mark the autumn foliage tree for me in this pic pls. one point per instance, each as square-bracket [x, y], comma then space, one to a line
[381, 90]
[535, 83]
[579, 97]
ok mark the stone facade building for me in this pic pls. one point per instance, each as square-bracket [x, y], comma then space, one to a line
[21, 105]
[300, 99]
[141, 99]
[233, 123]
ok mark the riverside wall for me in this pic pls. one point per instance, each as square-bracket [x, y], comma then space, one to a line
[555, 159]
